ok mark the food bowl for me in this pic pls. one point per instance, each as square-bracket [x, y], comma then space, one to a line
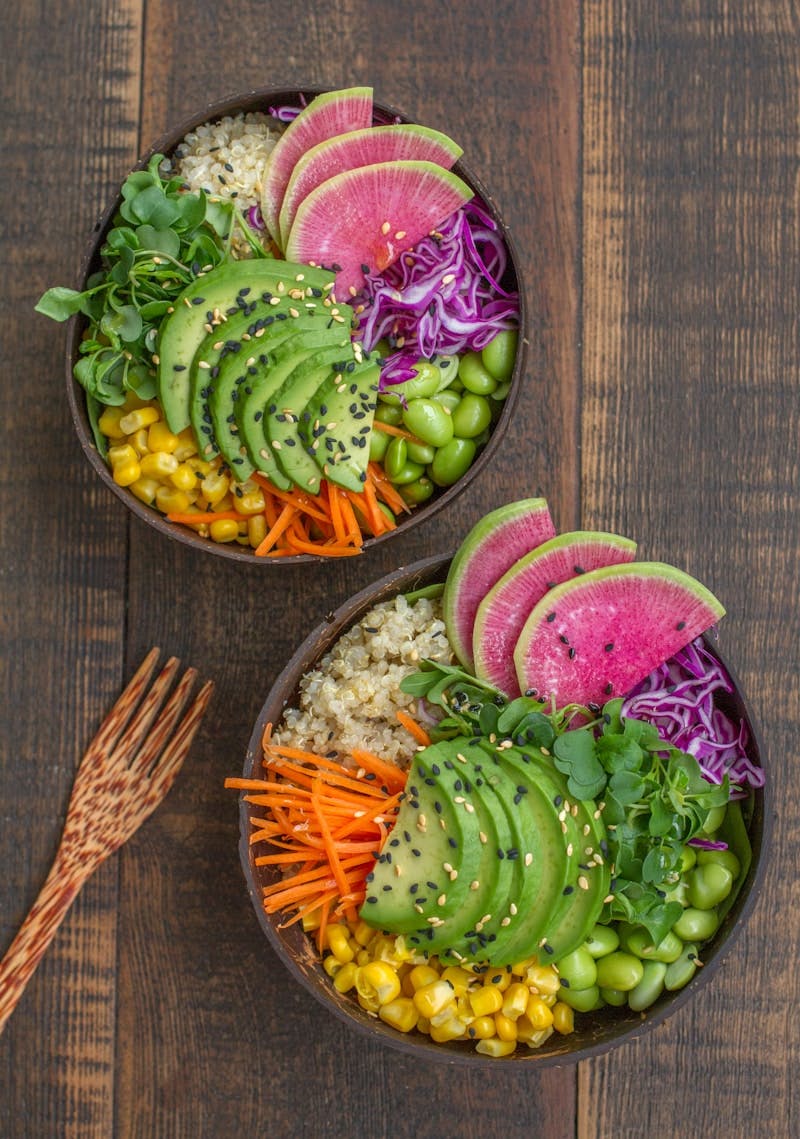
[261, 100]
[595, 1032]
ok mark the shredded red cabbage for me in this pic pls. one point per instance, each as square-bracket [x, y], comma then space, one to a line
[254, 218]
[678, 698]
[445, 296]
[286, 114]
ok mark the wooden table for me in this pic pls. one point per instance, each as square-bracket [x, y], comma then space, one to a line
[645, 155]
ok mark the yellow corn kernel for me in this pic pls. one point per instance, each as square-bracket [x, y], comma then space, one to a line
[133, 402]
[432, 998]
[520, 968]
[459, 978]
[422, 975]
[170, 500]
[225, 530]
[369, 1004]
[339, 944]
[535, 1039]
[141, 417]
[310, 922]
[214, 487]
[505, 1027]
[498, 978]
[145, 490]
[543, 978]
[159, 464]
[400, 1014]
[251, 503]
[331, 965]
[538, 1013]
[363, 933]
[122, 453]
[183, 477]
[225, 503]
[515, 1000]
[563, 1018]
[138, 440]
[160, 438]
[495, 1047]
[451, 1029]
[256, 530]
[199, 466]
[424, 1025]
[379, 980]
[345, 978]
[126, 473]
[482, 1028]
[109, 423]
[486, 1000]
[187, 445]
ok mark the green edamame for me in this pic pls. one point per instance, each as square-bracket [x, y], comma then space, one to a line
[680, 972]
[614, 997]
[428, 379]
[396, 457]
[408, 473]
[471, 416]
[714, 819]
[391, 413]
[619, 970]
[708, 884]
[474, 375]
[418, 491]
[582, 1000]
[650, 987]
[499, 354]
[578, 969]
[724, 858]
[696, 925]
[449, 398]
[603, 939]
[452, 461]
[429, 421]
[378, 445]
[420, 452]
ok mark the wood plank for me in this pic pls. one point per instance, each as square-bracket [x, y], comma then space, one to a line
[63, 547]
[690, 422]
[218, 1037]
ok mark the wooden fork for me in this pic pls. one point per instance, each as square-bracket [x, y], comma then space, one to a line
[125, 773]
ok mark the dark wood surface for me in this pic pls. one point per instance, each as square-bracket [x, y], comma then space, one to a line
[645, 155]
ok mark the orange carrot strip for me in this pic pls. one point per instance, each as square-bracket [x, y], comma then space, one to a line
[392, 776]
[352, 528]
[325, 551]
[391, 429]
[385, 490]
[411, 725]
[335, 507]
[378, 520]
[189, 519]
[299, 498]
[285, 519]
[330, 846]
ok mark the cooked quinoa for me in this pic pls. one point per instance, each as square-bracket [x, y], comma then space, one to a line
[227, 158]
[351, 698]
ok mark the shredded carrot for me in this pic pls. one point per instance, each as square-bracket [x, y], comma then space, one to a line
[285, 518]
[400, 432]
[352, 528]
[199, 517]
[385, 490]
[411, 725]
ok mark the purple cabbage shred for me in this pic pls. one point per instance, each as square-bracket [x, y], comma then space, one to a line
[679, 699]
[443, 297]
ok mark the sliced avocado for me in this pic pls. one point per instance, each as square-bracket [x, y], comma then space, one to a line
[281, 422]
[410, 889]
[262, 324]
[235, 376]
[227, 289]
[337, 422]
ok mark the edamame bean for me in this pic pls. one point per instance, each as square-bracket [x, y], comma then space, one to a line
[428, 379]
[640, 943]
[420, 452]
[709, 884]
[688, 858]
[500, 392]
[396, 457]
[578, 969]
[474, 376]
[499, 354]
[724, 858]
[378, 445]
[680, 972]
[696, 925]
[582, 1000]
[449, 398]
[472, 416]
[418, 491]
[619, 970]
[452, 461]
[408, 473]
[429, 421]
[603, 939]
[391, 413]
[614, 997]
[650, 987]
[714, 819]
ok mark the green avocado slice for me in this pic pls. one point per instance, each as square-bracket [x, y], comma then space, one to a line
[225, 290]
[336, 423]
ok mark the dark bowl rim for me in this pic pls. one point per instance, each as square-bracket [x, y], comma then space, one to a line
[260, 98]
[559, 1054]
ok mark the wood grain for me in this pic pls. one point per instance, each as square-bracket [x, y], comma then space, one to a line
[690, 426]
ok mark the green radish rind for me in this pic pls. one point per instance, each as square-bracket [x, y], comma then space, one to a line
[329, 114]
[503, 611]
[596, 636]
[490, 548]
[361, 148]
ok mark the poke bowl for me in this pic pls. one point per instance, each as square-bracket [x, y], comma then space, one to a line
[347, 862]
[300, 328]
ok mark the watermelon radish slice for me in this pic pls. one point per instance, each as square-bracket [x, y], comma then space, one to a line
[596, 636]
[491, 547]
[329, 114]
[362, 148]
[362, 220]
[506, 607]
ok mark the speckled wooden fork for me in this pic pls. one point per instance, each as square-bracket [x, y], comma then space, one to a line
[125, 773]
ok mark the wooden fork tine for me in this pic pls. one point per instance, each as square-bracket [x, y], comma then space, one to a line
[114, 723]
[170, 763]
[161, 729]
[140, 724]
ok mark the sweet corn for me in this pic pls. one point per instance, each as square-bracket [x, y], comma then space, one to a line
[505, 1027]
[432, 998]
[187, 446]
[422, 975]
[127, 472]
[378, 981]
[495, 1047]
[339, 943]
[331, 966]
[345, 978]
[214, 487]
[183, 477]
[482, 1028]
[225, 530]
[486, 1000]
[251, 503]
[515, 1000]
[451, 1029]
[400, 1014]
[109, 423]
[145, 490]
[459, 978]
[141, 417]
[363, 933]
[160, 438]
[563, 1018]
[138, 441]
[159, 464]
[537, 1013]
[498, 978]
[170, 500]
[543, 978]
[256, 530]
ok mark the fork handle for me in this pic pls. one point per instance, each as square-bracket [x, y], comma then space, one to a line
[60, 889]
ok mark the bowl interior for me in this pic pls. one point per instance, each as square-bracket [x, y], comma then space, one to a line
[260, 100]
[596, 1033]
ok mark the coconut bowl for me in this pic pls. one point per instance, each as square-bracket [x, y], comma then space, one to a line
[595, 1033]
[260, 100]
